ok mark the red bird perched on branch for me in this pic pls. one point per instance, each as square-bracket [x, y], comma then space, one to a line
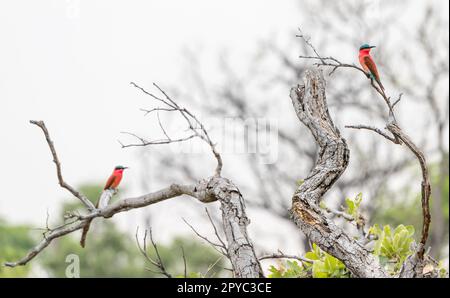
[112, 184]
[368, 64]
[115, 178]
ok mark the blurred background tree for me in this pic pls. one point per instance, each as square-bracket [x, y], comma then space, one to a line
[15, 242]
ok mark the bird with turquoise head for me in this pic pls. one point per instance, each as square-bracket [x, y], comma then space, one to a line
[368, 64]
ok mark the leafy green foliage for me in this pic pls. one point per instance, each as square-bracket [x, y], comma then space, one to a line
[393, 246]
[323, 266]
[299, 182]
[353, 206]
[403, 206]
[201, 260]
[291, 269]
[112, 253]
[322, 205]
[443, 273]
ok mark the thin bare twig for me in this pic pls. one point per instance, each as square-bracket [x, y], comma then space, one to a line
[210, 267]
[375, 129]
[158, 263]
[194, 124]
[215, 228]
[216, 246]
[341, 214]
[61, 181]
[154, 142]
[184, 262]
[281, 255]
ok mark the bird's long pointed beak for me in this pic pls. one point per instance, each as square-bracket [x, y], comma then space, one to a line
[126, 168]
[372, 47]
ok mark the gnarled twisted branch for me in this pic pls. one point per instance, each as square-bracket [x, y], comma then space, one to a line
[310, 105]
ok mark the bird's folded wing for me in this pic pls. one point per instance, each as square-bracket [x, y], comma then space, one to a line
[110, 181]
[371, 66]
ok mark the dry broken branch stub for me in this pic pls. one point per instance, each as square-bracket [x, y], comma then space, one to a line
[309, 101]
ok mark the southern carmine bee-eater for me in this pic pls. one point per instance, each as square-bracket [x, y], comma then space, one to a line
[368, 64]
[111, 185]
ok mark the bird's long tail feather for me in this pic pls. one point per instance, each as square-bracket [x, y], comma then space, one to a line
[373, 77]
[85, 231]
[381, 85]
[105, 197]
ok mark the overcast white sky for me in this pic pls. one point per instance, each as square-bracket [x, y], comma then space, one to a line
[70, 62]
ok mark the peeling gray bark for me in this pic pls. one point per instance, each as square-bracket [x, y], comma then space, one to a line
[240, 249]
[309, 101]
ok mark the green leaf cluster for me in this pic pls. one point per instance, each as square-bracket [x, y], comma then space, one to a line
[393, 246]
[14, 243]
[325, 265]
[353, 205]
[291, 269]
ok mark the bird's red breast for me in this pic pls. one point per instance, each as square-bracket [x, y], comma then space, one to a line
[367, 63]
[362, 55]
[114, 180]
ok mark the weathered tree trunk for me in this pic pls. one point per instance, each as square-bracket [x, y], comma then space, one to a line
[240, 249]
[310, 105]
[234, 219]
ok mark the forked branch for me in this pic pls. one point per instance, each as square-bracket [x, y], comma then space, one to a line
[194, 125]
[398, 136]
[61, 181]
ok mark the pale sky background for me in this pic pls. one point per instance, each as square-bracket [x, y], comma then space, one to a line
[72, 67]
[69, 63]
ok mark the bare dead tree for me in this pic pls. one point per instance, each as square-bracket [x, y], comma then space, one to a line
[248, 95]
[310, 105]
[394, 134]
[215, 188]
[424, 85]
[158, 262]
[398, 136]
